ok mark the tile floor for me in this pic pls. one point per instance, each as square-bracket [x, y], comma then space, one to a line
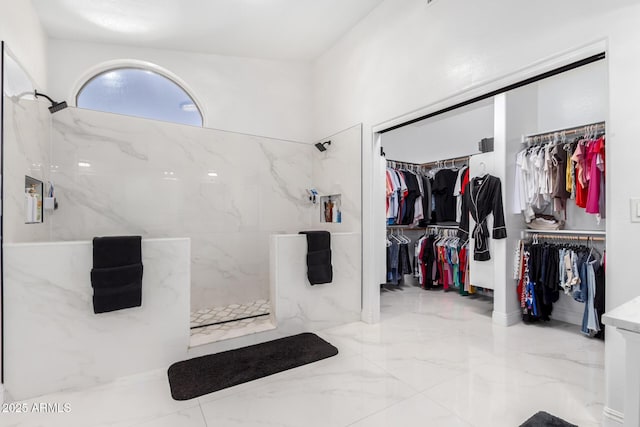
[208, 316]
[435, 359]
[216, 331]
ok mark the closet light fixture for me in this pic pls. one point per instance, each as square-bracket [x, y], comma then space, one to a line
[84, 164]
[212, 174]
[321, 146]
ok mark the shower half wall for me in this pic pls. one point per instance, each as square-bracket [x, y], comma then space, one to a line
[228, 192]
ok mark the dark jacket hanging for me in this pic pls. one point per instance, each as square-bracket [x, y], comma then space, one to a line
[319, 269]
[482, 196]
[442, 188]
[116, 276]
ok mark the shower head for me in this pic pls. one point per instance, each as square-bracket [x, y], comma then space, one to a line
[321, 146]
[55, 106]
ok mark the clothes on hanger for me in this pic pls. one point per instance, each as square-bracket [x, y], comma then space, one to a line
[548, 175]
[405, 190]
[398, 260]
[547, 270]
[459, 189]
[418, 197]
[443, 189]
[482, 197]
[442, 261]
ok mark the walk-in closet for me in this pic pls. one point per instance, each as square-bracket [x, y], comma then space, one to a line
[505, 198]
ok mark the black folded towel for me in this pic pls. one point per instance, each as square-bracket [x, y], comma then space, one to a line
[116, 251]
[108, 278]
[116, 276]
[319, 269]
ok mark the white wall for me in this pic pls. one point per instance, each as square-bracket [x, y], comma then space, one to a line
[407, 55]
[574, 98]
[337, 171]
[152, 178]
[20, 28]
[301, 307]
[71, 347]
[27, 151]
[445, 136]
[253, 96]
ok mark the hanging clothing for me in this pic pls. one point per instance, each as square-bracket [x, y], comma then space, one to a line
[408, 197]
[560, 193]
[412, 194]
[594, 176]
[393, 257]
[580, 159]
[458, 190]
[442, 261]
[482, 197]
[547, 269]
[599, 299]
[398, 262]
[558, 172]
[426, 201]
[443, 185]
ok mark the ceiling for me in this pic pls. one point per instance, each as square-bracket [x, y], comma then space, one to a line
[277, 29]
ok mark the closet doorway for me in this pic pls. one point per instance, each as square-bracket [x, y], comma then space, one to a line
[566, 108]
[432, 158]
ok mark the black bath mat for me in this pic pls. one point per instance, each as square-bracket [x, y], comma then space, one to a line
[202, 375]
[544, 419]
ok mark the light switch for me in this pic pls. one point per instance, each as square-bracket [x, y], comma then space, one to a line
[635, 210]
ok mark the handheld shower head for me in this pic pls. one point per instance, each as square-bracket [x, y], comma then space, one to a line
[321, 146]
[55, 106]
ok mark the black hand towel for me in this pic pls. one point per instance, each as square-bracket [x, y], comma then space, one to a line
[107, 278]
[116, 251]
[116, 276]
[319, 269]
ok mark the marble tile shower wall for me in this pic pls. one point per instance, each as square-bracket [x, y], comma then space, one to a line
[27, 135]
[227, 192]
[337, 171]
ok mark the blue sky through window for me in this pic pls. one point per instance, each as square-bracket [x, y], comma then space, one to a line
[140, 93]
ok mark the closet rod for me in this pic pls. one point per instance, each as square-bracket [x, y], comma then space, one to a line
[567, 237]
[408, 227]
[584, 129]
[567, 232]
[445, 161]
[396, 163]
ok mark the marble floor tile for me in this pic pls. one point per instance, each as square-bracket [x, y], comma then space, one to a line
[191, 417]
[125, 402]
[335, 393]
[435, 359]
[418, 411]
[498, 395]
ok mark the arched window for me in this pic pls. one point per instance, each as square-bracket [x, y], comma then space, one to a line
[141, 93]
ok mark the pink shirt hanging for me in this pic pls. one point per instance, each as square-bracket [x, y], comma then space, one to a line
[594, 176]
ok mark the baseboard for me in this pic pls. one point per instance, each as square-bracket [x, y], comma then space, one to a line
[506, 319]
[612, 418]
